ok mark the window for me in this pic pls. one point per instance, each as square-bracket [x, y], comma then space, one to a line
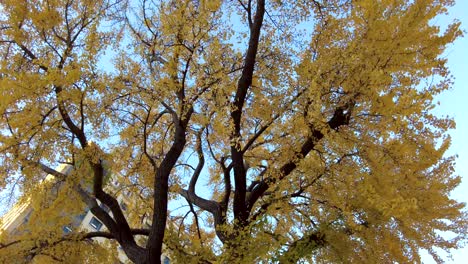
[26, 218]
[96, 224]
[66, 230]
[123, 206]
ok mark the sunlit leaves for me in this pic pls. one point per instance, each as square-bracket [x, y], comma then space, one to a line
[337, 122]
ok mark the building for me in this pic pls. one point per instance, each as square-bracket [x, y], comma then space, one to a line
[19, 215]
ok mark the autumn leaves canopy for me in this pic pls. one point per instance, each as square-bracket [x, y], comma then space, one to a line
[328, 102]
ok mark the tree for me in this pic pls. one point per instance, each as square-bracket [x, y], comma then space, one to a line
[309, 122]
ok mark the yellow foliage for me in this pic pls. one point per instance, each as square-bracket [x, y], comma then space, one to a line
[327, 104]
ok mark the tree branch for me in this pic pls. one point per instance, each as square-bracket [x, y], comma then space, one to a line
[303, 247]
[245, 81]
[339, 118]
[79, 133]
[142, 232]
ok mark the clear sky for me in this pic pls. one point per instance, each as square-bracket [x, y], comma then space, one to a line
[454, 103]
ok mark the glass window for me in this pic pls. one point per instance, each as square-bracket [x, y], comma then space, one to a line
[66, 229]
[124, 206]
[26, 218]
[96, 224]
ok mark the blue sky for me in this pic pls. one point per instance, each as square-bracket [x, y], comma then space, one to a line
[454, 103]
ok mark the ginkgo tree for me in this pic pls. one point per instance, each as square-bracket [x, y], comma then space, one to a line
[288, 130]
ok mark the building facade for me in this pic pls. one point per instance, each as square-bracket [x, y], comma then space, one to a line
[19, 215]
